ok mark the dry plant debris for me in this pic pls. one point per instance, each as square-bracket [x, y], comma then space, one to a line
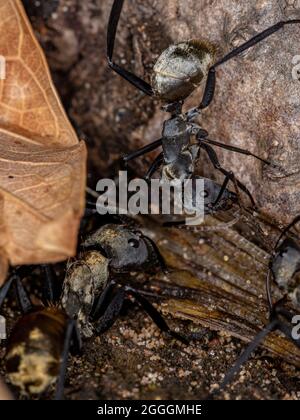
[42, 163]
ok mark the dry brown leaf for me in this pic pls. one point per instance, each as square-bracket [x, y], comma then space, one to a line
[42, 163]
[5, 393]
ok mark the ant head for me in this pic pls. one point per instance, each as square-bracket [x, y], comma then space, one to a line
[210, 194]
[284, 266]
[180, 69]
[127, 249]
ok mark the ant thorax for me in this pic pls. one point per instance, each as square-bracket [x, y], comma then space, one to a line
[85, 280]
[180, 154]
[175, 136]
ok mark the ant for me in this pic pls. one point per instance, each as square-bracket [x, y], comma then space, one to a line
[94, 287]
[92, 297]
[178, 71]
[283, 266]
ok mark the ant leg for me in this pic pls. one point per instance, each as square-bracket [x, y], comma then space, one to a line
[88, 213]
[284, 312]
[114, 308]
[23, 297]
[103, 300]
[235, 149]
[49, 287]
[6, 288]
[156, 316]
[112, 312]
[111, 36]
[277, 310]
[140, 152]
[286, 229]
[215, 161]
[210, 87]
[256, 39]
[211, 78]
[268, 290]
[156, 164]
[222, 190]
[160, 258]
[287, 331]
[76, 343]
[72, 338]
[220, 226]
[174, 224]
[246, 354]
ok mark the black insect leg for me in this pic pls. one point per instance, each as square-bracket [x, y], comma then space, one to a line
[287, 229]
[160, 258]
[246, 354]
[23, 297]
[111, 313]
[111, 36]
[89, 212]
[156, 164]
[6, 288]
[113, 309]
[156, 316]
[222, 191]
[287, 331]
[268, 289]
[72, 339]
[50, 292]
[211, 79]
[210, 87]
[175, 223]
[235, 149]
[277, 311]
[140, 152]
[215, 161]
[103, 300]
[256, 39]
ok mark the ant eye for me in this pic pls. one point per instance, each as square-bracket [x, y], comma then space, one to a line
[134, 243]
[204, 194]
